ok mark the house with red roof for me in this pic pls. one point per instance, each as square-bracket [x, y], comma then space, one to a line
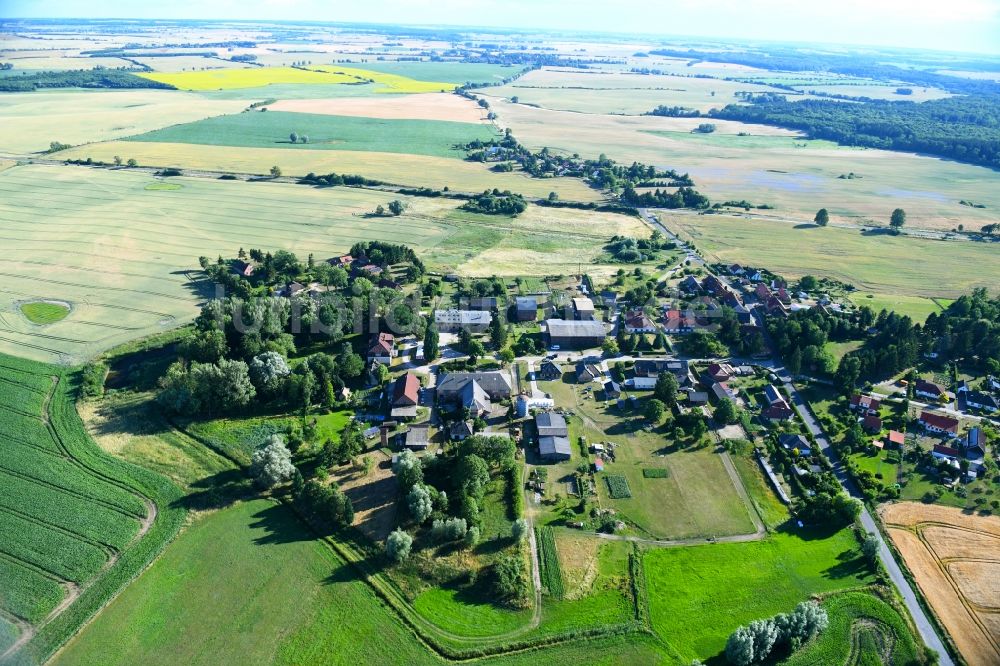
[865, 404]
[941, 423]
[382, 348]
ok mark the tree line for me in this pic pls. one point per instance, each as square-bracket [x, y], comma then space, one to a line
[84, 78]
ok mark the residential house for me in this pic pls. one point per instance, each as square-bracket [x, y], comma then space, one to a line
[474, 391]
[587, 372]
[697, 397]
[525, 308]
[654, 367]
[636, 321]
[928, 389]
[719, 372]
[382, 348]
[689, 284]
[865, 404]
[743, 314]
[940, 423]
[371, 271]
[983, 401]
[405, 396]
[598, 464]
[942, 452]
[872, 423]
[568, 334]
[896, 439]
[792, 442]
[713, 285]
[762, 293]
[677, 322]
[773, 395]
[583, 308]
[343, 261]
[736, 269]
[481, 303]
[460, 430]
[473, 321]
[779, 411]
[553, 436]
[723, 391]
[976, 438]
[244, 268]
[548, 371]
[641, 383]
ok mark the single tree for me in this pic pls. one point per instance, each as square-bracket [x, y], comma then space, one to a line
[131, 163]
[396, 207]
[304, 139]
[666, 388]
[725, 412]
[519, 529]
[275, 171]
[293, 137]
[118, 160]
[654, 411]
[822, 217]
[272, 463]
[420, 504]
[898, 219]
[398, 545]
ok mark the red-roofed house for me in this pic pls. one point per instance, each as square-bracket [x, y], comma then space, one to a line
[779, 411]
[382, 349]
[720, 372]
[896, 439]
[676, 322]
[636, 321]
[872, 423]
[865, 404]
[406, 391]
[928, 389]
[945, 452]
[762, 292]
[344, 260]
[938, 423]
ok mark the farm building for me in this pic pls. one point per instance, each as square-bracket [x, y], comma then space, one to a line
[450, 321]
[525, 308]
[551, 424]
[417, 437]
[405, 396]
[574, 334]
[553, 436]
[583, 309]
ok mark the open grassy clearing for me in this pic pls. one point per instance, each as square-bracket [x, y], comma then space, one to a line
[915, 307]
[44, 312]
[953, 556]
[620, 92]
[796, 181]
[420, 106]
[30, 121]
[125, 279]
[771, 510]
[326, 132]
[253, 77]
[699, 594]
[880, 264]
[396, 168]
[876, 91]
[182, 608]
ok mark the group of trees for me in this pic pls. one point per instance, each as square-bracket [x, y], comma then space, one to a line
[802, 336]
[754, 643]
[295, 138]
[682, 197]
[334, 179]
[496, 202]
[630, 250]
[83, 78]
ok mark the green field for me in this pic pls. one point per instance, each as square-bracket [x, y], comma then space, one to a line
[916, 308]
[326, 132]
[698, 595]
[449, 72]
[41, 312]
[881, 264]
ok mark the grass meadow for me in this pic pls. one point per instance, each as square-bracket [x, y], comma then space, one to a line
[437, 138]
[41, 312]
[252, 77]
[700, 594]
[30, 121]
[883, 265]
[449, 72]
[796, 177]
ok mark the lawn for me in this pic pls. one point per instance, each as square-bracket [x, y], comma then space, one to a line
[449, 609]
[326, 132]
[771, 510]
[699, 594]
[44, 312]
[882, 264]
[916, 308]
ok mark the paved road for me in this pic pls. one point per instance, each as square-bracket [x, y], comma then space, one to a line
[924, 625]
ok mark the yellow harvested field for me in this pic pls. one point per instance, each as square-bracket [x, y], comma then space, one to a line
[419, 106]
[578, 561]
[397, 168]
[393, 83]
[955, 559]
[253, 77]
[30, 121]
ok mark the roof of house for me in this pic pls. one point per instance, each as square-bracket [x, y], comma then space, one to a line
[495, 383]
[654, 366]
[526, 303]
[697, 397]
[611, 386]
[940, 449]
[566, 328]
[720, 370]
[549, 368]
[976, 437]
[583, 304]
[772, 394]
[980, 398]
[722, 390]
[417, 435]
[549, 445]
[779, 410]
[381, 345]
[865, 401]
[638, 320]
[872, 422]
[406, 390]
[551, 424]
[463, 317]
[896, 437]
[939, 421]
[587, 371]
[929, 387]
[461, 429]
[795, 442]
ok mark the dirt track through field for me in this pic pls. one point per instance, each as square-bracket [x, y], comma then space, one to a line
[954, 557]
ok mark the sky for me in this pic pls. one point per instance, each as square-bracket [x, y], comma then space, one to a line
[952, 25]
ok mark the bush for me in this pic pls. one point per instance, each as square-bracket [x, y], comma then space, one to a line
[451, 529]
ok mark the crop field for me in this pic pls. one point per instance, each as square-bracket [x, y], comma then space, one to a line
[54, 61]
[124, 279]
[30, 121]
[180, 63]
[396, 168]
[450, 72]
[619, 92]
[387, 83]
[698, 595]
[876, 91]
[883, 265]
[419, 106]
[325, 132]
[796, 177]
[954, 557]
[252, 77]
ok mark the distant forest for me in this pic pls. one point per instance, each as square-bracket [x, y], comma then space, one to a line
[966, 129]
[84, 78]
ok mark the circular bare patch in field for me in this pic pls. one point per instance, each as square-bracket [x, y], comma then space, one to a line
[979, 582]
[420, 106]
